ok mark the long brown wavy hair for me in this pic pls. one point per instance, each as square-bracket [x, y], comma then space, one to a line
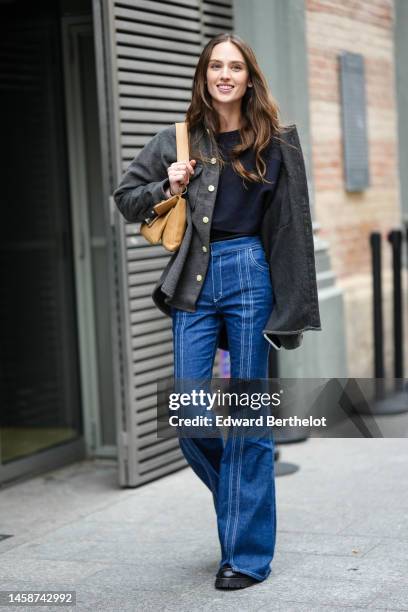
[260, 111]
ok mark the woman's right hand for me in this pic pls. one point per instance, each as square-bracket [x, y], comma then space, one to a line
[179, 175]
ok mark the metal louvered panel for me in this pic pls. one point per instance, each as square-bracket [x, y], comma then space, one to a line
[217, 18]
[154, 49]
[155, 339]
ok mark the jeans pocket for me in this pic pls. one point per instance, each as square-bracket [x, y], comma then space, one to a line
[258, 258]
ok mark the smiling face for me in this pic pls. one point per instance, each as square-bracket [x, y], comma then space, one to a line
[227, 75]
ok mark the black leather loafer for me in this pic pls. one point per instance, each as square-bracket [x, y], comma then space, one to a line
[228, 579]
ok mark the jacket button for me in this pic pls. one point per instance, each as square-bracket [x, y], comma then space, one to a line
[211, 187]
[205, 219]
[204, 249]
[213, 160]
[199, 277]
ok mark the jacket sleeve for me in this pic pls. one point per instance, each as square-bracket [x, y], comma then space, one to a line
[291, 341]
[287, 233]
[145, 181]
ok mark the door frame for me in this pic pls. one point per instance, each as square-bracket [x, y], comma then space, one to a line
[109, 118]
[72, 28]
[43, 461]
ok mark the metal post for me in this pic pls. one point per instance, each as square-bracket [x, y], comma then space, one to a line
[395, 239]
[375, 243]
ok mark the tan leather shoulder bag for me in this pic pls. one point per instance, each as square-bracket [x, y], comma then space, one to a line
[169, 226]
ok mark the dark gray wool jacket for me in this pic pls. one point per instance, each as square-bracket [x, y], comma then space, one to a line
[286, 232]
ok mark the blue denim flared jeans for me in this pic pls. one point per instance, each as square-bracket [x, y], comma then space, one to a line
[239, 471]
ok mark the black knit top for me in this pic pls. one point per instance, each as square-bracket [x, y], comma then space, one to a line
[238, 210]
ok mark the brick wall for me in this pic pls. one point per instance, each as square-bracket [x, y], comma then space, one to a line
[366, 27]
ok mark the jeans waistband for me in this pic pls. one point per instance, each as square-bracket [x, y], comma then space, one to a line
[234, 244]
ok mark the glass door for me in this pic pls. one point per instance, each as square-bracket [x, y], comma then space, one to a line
[40, 396]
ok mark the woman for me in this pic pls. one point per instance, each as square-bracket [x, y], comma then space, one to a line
[248, 224]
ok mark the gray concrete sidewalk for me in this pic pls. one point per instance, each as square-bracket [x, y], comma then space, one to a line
[342, 538]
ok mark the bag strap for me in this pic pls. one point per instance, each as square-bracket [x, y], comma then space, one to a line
[182, 142]
[183, 154]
